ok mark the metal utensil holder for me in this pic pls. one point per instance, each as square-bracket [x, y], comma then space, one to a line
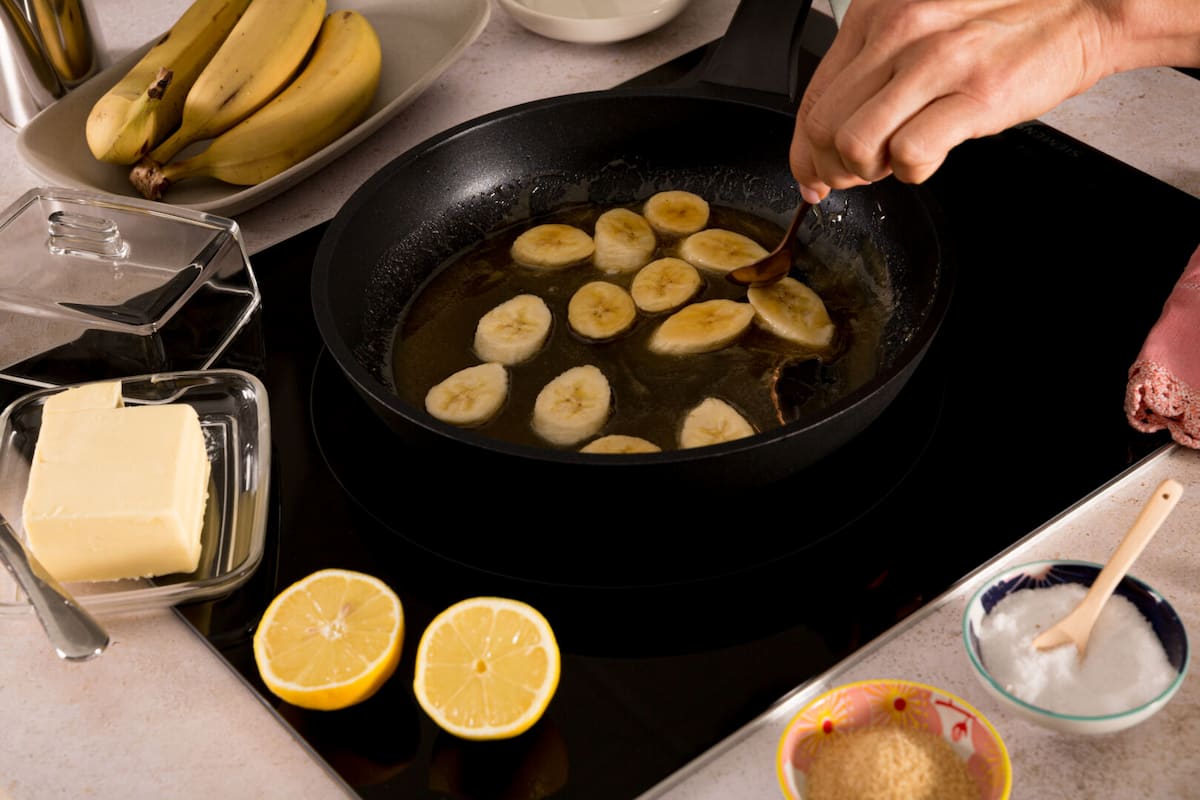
[46, 49]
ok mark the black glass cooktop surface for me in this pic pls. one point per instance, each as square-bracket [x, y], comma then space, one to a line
[1065, 257]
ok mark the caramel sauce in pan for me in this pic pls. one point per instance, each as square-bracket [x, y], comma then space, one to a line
[771, 381]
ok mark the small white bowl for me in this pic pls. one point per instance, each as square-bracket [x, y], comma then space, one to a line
[593, 21]
[1040, 574]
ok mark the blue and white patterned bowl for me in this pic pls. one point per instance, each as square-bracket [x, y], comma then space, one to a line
[1041, 574]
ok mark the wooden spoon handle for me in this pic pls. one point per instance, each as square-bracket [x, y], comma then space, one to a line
[794, 227]
[1144, 527]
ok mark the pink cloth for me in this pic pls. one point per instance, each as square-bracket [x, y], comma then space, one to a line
[1164, 381]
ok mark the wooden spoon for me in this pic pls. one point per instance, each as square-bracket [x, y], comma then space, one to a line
[1076, 627]
[776, 264]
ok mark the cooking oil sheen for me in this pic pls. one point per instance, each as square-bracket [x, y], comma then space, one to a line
[772, 382]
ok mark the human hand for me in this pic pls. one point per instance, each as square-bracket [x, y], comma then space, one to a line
[907, 80]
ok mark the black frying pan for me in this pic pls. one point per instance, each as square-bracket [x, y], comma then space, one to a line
[723, 133]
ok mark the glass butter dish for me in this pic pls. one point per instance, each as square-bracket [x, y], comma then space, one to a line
[234, 416]
[94, 287]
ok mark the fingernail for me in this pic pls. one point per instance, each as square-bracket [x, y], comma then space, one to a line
[810, 195]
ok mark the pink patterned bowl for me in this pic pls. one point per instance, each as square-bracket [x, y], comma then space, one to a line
[892, 703]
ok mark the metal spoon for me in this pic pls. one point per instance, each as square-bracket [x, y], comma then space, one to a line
[1076, 627]
[75, 634]
[776, 264]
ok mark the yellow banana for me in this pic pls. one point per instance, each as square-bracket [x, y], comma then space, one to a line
[624, 241]
[676, 212]
[711, 422]
[620, 443]
[573, 406]
[326, 99]
[552, 245]
[600, 310]
[702, 327]
[142, 108]
[260, 56]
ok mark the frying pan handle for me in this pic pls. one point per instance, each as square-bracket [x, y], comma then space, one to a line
[760, 50]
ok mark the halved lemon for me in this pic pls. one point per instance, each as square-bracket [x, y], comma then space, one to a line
[486, 668]
[330, 640]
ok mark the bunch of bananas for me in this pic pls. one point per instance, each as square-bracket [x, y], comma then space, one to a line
[264, 83]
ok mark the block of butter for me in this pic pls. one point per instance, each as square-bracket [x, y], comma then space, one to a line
[116, 491]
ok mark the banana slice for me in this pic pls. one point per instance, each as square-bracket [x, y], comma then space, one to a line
[664, 284]
[676, 212]
[601, 310]
[471, 396]
[702, 327]
[792, 310]
[620, 443]
[720, 250]
[573, 406]
[552, 246]
[624, 241]
[711, 422]
[513, 331]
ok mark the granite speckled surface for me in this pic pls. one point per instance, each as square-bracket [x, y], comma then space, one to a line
[158, 714]
[98, 729]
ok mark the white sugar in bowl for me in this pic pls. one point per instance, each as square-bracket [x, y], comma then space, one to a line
[1136, 660]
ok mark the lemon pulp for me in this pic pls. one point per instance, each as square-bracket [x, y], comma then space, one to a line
[486, 668]
[330, 640]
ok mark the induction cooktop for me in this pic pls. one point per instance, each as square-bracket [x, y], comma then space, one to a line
[671, 645]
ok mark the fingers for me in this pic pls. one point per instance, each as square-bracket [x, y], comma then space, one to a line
[880, 101]
[882, 119]
[811, 141]
[842, 130]
[921, 145]
[903, 122]
[812, 188]
[906, 81]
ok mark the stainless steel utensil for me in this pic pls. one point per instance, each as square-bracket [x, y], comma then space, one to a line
[74, 632]
[27, 81]
[66, 38]
[46, 49]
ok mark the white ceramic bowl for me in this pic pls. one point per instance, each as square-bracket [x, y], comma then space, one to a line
[1154, 607]
[422, 40]
[593, 21]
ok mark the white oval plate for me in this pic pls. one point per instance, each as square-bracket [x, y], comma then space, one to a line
[420, 41]
[593, 21]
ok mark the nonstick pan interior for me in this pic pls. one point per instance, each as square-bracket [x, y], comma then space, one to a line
[611, 148]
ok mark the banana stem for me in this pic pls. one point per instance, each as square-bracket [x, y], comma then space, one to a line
[148, 178]
[158, 87]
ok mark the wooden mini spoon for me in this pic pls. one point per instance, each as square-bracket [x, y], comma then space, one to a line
[778, 263]
[1076, 627]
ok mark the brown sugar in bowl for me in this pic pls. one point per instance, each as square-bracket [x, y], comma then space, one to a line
[910, 731]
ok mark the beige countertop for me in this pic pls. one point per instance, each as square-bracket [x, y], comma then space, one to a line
[105, 728]
[1157, 756]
